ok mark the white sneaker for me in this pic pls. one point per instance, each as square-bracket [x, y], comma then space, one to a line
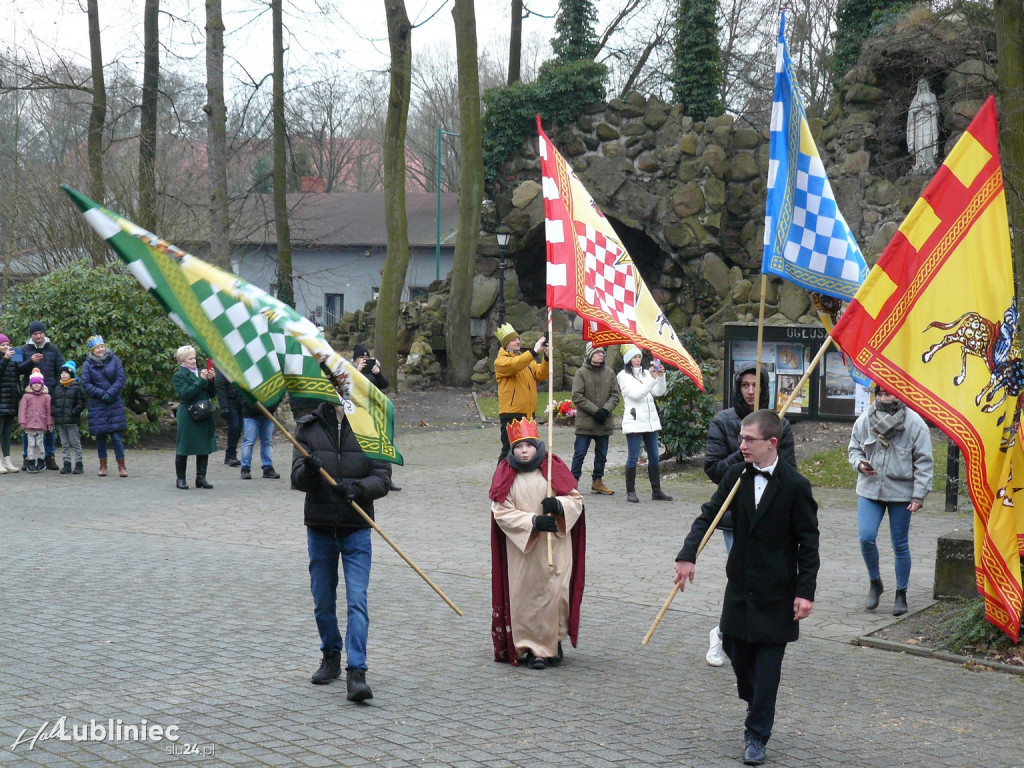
[10, 464]
[715, 655]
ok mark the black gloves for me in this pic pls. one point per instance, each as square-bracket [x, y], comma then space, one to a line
[550, 505]
[601, 415]
[312, 464]
[348, 490]
[545, 524]
[107, 398]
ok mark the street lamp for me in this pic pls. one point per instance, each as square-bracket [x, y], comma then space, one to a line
[504, 234]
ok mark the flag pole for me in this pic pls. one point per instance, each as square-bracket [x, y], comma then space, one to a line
[807, 374]
[551, 430]
[760, 341]
[703, 543]
[369, 520]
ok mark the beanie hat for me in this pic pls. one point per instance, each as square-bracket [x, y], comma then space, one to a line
[34, 326]
[35, 376]
[4, 339]
[629, 353]
[94, 340]
[506, 333]
[360, 350]
[70, 367]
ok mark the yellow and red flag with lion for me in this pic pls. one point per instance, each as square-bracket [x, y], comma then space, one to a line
[936, 323]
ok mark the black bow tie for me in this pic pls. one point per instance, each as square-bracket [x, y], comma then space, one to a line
[762, 472]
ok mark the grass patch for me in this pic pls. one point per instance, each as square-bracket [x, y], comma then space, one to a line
[830, 469]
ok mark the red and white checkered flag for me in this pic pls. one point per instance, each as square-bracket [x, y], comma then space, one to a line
[591, 273]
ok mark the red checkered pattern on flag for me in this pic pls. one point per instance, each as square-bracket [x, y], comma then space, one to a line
[592, 274]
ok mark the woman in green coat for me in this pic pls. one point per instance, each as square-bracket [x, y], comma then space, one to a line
[195, 438]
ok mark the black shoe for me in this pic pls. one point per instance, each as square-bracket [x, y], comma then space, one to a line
[246, 473]
[66, 469]
[25, 465]
[181, 484]
[35, 466]
[269, 473]
[78, 468]
[330, 668]
[51, 463]
[534, 662]
[754, 752]
[201, 482]
[392, 486]
[875, 590]
[358, 690]
[554, 661]
[900, 606]
[231, 461]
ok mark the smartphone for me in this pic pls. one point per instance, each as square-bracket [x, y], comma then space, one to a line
[370, 362]
[17, 356]
[209, 364]
[658, 365]
[868, 467]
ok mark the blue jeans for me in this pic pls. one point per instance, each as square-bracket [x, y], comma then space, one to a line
[355, 552]
[101, 445]
[869, 519]
[579, 452]
[264, 430]
[634, 440]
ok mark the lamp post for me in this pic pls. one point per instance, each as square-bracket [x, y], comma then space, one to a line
[437, 234]
[503, 233]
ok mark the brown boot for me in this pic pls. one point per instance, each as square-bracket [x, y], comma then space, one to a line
[103, 468]
[121, 470]
[599, 487]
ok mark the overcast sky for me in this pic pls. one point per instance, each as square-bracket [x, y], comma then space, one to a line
[355, 31]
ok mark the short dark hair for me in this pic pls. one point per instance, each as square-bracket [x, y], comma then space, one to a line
[767, 421]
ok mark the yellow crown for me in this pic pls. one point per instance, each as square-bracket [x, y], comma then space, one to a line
[506, 333]
[520, 429]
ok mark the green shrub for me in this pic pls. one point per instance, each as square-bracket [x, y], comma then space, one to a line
[685, 413]
[79, 301]
[966, 629]
[559, 95]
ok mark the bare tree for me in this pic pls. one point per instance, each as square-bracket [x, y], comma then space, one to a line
[148, 115]
[515, 42]
[1009, 22]
[97, 118]
[216, 138]
[471, 187]
[396, 263]
[285, 289]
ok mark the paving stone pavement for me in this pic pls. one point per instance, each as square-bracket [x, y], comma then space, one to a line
[126, 599]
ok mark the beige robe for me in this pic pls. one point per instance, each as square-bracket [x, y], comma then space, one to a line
[539, 593]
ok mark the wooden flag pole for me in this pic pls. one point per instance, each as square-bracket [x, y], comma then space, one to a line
[703, 543]
[551, 430]
[760, 342]
[807, 374]
[369, 520]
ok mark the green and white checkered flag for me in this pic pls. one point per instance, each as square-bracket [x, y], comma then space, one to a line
[261, 344]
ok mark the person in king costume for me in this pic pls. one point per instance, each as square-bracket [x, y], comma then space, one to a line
[535, 605]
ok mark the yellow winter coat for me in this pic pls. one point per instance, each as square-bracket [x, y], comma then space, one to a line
[517, 377]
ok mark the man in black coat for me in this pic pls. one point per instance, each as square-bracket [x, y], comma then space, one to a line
[43, 354]
[335, 529]
[772, 569]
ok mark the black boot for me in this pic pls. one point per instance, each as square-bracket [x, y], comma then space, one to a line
[201, 482]
[654, 474]
[330, 668]
[900, 606]
[66, 469]
[79, 469]
[358, 690]
[874, 592]
[631, 485]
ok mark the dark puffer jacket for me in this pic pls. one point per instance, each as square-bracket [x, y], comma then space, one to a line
[723, 443]
[49, 366]
[67, 403]
[104, 376]
[10, 387]
[338, 450]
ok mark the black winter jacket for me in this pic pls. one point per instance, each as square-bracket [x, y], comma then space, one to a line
[49, 366]
[338, 450]
[67, 403]
[10, 387]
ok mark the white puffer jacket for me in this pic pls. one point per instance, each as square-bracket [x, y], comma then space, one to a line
[639, 413]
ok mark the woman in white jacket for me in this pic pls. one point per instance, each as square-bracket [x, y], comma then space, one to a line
[640, 422]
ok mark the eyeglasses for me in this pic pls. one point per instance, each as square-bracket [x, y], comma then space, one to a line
[747, 439]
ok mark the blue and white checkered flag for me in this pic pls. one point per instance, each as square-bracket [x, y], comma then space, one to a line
[806, 239]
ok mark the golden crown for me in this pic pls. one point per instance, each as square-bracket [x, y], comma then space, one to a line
[506, 333]
[520, 429]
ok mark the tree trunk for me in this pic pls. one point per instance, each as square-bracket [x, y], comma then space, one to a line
[97, 119]
[1009, 18]
[147, 115]
[216, 138]
[515, 43]
[471, 189]
[285, 289]
[396, 264]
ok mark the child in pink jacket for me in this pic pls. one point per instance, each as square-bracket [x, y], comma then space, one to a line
[35, 419]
